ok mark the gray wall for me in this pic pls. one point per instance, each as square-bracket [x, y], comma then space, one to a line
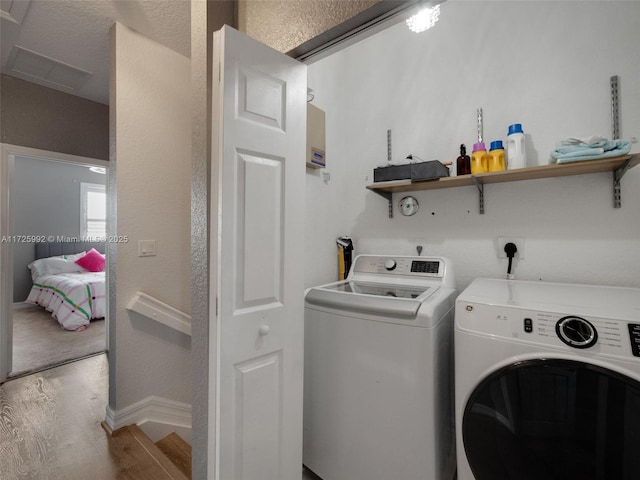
[39, 117]
[46, 202]
[154, 200]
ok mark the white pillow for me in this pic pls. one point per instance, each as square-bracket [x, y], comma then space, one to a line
[72, 257]
[55, 265]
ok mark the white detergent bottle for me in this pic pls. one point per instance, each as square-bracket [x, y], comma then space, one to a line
[516, 154]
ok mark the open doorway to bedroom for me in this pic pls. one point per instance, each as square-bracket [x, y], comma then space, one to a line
[56, 218]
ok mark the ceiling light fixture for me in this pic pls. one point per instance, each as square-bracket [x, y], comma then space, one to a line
[424, 19]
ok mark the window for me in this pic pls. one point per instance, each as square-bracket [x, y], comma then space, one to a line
[93, 211]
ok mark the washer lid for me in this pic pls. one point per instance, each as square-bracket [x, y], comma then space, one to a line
[373, 298]
[380, 289]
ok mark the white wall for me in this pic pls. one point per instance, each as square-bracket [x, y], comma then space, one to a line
[151, 127]
[543, 64]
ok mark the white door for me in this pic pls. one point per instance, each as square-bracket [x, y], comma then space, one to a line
[258, 174]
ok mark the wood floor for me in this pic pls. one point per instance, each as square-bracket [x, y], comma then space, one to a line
[50, 424]
[137, 457]
[50, 429]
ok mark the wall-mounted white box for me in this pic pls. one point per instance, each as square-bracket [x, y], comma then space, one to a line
[316, 143]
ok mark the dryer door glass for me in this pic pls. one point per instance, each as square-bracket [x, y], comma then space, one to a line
[553, 420]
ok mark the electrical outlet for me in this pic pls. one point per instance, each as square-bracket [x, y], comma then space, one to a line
[518, 241]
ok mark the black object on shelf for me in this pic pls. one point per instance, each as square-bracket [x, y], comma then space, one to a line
[392, 172]
[415, 171]
[428, 171]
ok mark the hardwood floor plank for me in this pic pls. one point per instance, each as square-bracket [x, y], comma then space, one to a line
[141, 456]
[178, 451]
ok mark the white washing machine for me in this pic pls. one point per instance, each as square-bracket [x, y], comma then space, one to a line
[547, 381]
[378, 388]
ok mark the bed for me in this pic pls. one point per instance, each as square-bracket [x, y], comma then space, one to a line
[69, 281]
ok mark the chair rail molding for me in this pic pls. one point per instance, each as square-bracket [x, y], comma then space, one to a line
[154, 309]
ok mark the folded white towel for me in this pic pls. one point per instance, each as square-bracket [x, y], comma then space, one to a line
[580, 151]
[591, 140]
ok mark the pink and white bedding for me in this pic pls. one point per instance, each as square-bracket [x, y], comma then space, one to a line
[72, 298]
[64, 286]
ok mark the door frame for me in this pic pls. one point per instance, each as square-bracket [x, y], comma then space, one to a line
[8, 153]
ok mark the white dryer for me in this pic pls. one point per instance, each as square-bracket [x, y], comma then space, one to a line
[547, 381]
[378, 388]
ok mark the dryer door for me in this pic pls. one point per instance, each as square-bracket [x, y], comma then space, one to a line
[553, 419]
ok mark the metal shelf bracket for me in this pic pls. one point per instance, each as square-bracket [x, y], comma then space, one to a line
[617, 176]
[480, 186]
[389, 197]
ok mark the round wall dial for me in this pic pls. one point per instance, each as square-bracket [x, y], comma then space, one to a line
[408, 206]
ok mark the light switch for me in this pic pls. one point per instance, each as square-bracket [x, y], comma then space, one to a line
[146, 248]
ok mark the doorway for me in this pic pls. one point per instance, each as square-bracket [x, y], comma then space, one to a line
[42, 202]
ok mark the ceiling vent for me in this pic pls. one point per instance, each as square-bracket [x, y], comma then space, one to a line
[45, 71]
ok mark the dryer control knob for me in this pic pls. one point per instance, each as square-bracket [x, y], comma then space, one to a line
[576, 332]
[390, 264]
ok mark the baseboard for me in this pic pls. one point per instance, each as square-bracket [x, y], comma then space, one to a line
[156, 416]
[21, 305]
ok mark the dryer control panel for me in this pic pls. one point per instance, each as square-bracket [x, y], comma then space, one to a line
[634, 337]
[560, 330]
[585, 319]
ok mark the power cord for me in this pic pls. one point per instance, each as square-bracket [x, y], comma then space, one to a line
[510, 249]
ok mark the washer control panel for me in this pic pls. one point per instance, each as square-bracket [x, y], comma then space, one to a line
[410, 266]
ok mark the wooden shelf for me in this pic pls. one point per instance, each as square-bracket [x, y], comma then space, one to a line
[617, 165]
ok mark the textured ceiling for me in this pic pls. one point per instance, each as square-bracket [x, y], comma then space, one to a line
[76, 33]
[261, 19]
